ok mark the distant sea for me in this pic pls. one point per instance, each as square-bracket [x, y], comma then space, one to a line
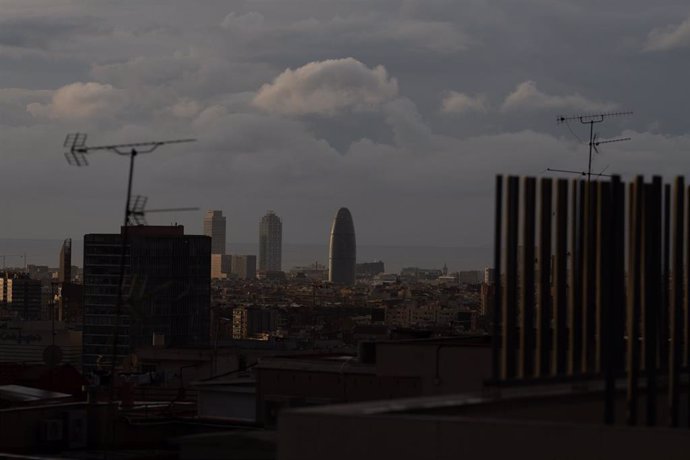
[46, 252]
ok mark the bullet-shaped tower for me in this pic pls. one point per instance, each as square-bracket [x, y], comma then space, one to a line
[343, 249]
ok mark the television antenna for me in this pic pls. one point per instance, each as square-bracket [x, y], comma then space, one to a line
[76, 156]
[594, 143]
[138, 210]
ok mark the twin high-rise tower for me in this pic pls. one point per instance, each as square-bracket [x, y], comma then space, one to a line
[270, 243]
[343, 249]
[214, 226]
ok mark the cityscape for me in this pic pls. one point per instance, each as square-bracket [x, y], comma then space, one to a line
[271, 230]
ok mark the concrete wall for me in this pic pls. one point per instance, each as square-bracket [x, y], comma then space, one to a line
[318, 436]
[233, 405]
[442, 368]
[20, 428]
[281, 388]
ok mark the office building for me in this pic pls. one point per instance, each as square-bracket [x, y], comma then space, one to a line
[20, 296]
[69, 296]
[369, 269]
[253, 322]
[244, 267]
[167, 287]
[343, 249]
[270, 243]
[214, 226]
[65, 270]
[221, 266]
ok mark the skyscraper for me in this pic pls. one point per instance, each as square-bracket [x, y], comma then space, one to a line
[214, 226]
[20, 296]
[270, 243]
[244, 267]
[167, 291]
[65, 273]
[343, 249]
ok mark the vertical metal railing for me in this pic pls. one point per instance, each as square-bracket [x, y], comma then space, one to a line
[592, 283]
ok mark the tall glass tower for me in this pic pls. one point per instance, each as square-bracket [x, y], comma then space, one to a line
[214, 226]
[270, 243]
[343, 249]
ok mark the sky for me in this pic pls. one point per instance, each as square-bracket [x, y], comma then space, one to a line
[403, 111]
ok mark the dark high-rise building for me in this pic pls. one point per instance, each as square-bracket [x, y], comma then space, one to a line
[343, 249]
[244, 267]
[65, 271]
[166, 293]
[69, 296]
[214, 226]
[20, 296]
[270, 243]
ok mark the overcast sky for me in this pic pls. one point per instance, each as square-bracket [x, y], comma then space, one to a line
[402, 111]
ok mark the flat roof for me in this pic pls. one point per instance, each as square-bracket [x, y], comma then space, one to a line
[20, 393]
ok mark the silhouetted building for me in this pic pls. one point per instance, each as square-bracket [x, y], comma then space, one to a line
[214, 226]
[270, 243]
[370, 268]
[167, 288]
[253, 322]
[65, 273]
[221, 265]
[69, 296]
[244, 267]
[343, 249]
[489, 274]
[20, 296]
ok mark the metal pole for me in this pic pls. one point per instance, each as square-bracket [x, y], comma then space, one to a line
[120, 286]
[591, 143]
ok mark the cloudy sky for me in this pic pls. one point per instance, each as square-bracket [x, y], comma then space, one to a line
[403, 111]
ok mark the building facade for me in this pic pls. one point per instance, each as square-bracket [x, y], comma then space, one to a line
[166, 291]
[20, 296]
[215, 227]
[65, 270]
[244, 267]
[221, 266]
[343, 249]
[270, 243]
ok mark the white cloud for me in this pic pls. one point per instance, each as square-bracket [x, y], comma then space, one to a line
[670, 37]
[80, 100]
[455, 102]
[527, 97]
[327, 87]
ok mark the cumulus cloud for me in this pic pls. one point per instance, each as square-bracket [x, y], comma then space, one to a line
[409, 130]
[455, 102]
[327, 87]
[670, 37]
[528, 97]
[80, 100]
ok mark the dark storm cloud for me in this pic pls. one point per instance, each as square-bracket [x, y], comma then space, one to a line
[402, 111]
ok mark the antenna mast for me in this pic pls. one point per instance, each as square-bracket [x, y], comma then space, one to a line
[591, 120]
[76, 156]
